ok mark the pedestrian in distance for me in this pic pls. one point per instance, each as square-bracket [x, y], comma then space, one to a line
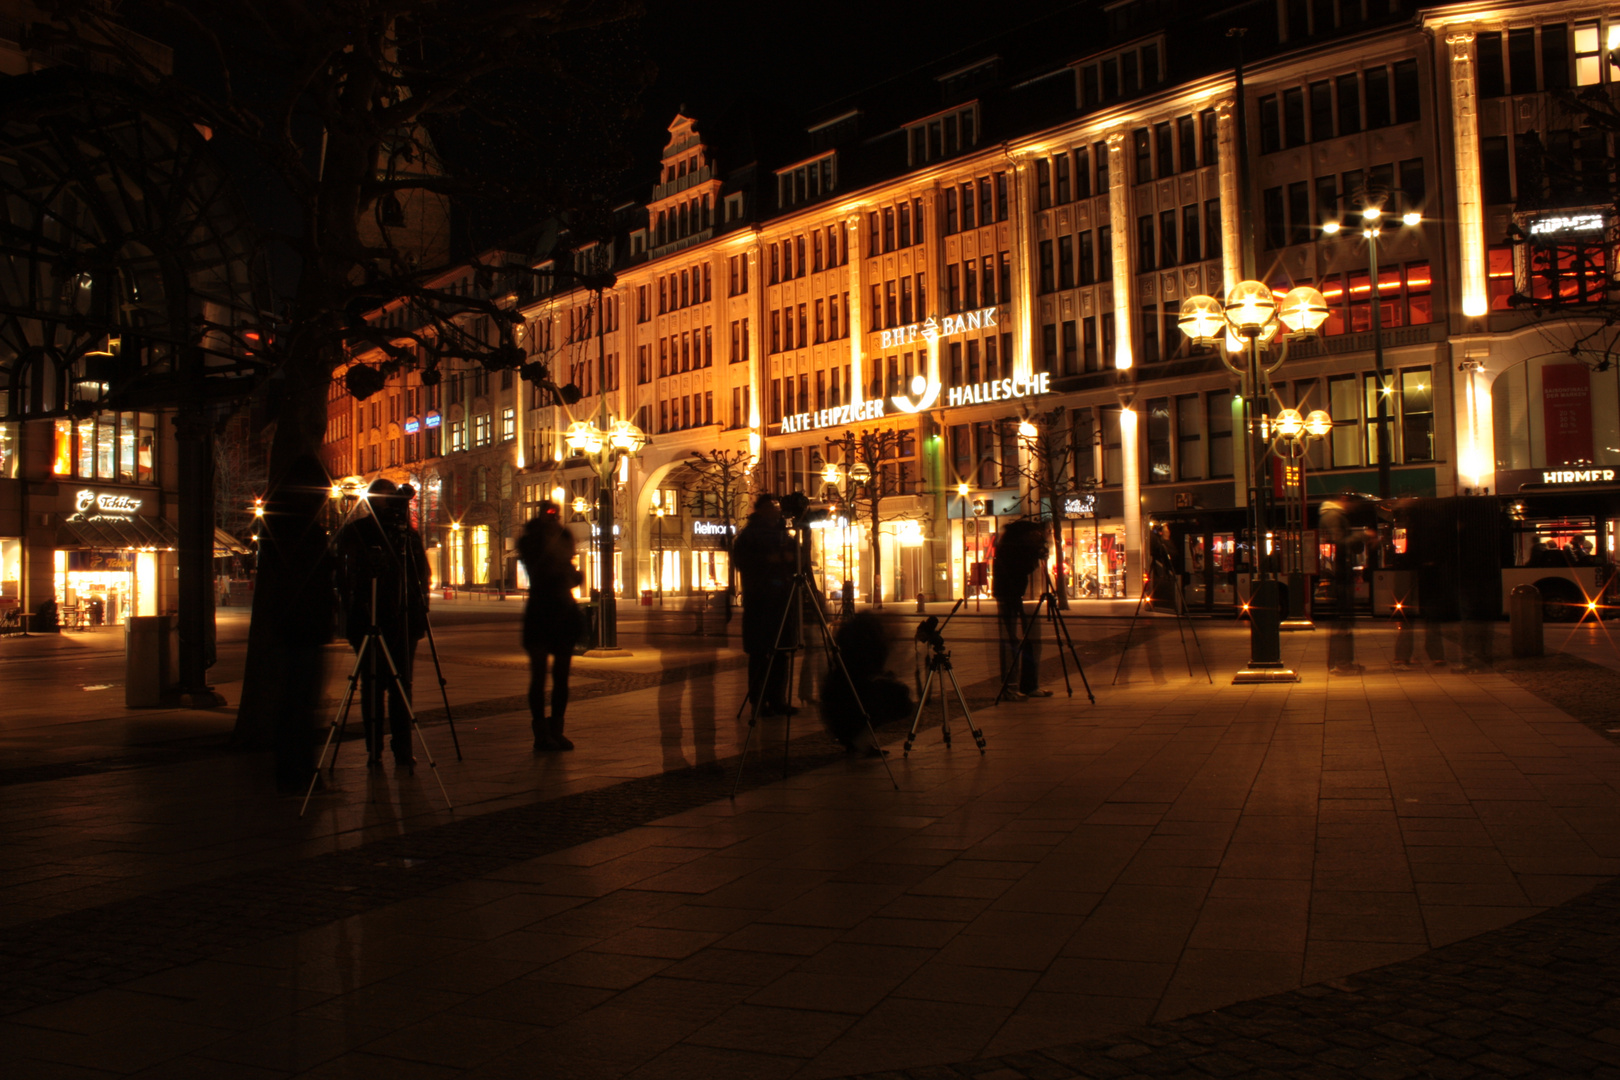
[379, 547]
[1019, 551]
[551, 622]
[765, 555]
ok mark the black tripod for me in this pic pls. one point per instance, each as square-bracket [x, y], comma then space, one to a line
[433, 649]
[373, 640]
[802, 590]
[939, 660]
[1060, 633]
[1183, 624]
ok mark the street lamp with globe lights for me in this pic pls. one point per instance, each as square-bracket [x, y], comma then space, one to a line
[1373, 222]
[609, 444]
[1291, 435]
[1249, 321]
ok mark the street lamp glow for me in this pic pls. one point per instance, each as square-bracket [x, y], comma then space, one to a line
[1372, 213]
[580, 505]
[962, 490]
[860, 472]
[1303, 310]
[1331, 228]
[625, 436]
[1318, 423]
[1289, 423]
[831, 473]
[1026, 430]
[583, 437]
[1411, 217]
[1250, 306]
[1201, 320]
[558, 495]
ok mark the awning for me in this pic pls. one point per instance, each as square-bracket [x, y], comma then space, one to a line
[226, 545]
[103, 533]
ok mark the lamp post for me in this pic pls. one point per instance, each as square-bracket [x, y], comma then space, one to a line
[1372, 221]
[609, 446]
[1248, 322]
[962, 498]
[658, 566]
[1291, 436]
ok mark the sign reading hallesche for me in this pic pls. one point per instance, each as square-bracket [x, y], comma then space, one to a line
[999, 390]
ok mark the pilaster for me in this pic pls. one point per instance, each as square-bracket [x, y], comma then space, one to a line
[1470, 200]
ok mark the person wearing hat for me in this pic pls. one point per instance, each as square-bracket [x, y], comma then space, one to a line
[551, 621]
[380, 547]
[764, 554]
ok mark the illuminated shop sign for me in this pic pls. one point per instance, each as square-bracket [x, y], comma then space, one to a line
[431, 419]
[712, 528]
[1077, 506]
[412, 426]
[931, 330]
[1577, 476]
[840, 414]
[102, 505]
[1559, 224]
[999, 390]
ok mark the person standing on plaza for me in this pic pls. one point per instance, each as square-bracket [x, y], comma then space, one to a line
[383, 581]
[765, 554]
[551, 622]
[1019, 551]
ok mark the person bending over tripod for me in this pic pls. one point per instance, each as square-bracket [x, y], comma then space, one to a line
[1019, 550]
[765, 554]
[381, 547]
[551, 622]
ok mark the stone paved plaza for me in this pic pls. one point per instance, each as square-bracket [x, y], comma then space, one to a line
[1396, 873]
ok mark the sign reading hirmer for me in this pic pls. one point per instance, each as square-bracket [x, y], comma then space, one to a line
[931, 330]
[871, 409]
[999, 390]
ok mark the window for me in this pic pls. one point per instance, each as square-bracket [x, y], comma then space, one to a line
[1417, 415]
[1065, 264]
[1276, 223]
[1212, 229]
[1344, 405]
[1105, 253]
[1218, 405]
[1167, 239]
[1060, 178]
[1046, 277]
[1113, 461]
[1144, 242]
[1158, 441]
[1189, 438]
[1191, 234]
[1299, 212]
[1049, 348]
[1499, 276]
[1088, 259]
[1099, 154]
[1164, 149]
[1071, 349]
[1088, 343]
[1150, 333]
[1294, 116]
[1408, 98]
[508, 424]
[1212, 136]
[1144, 155]
[1043, 184]
[1349, 104]
[1321, 110]
[1082, 172]
[1187, 139]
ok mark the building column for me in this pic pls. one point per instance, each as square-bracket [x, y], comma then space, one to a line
[856, 390]
[1473, 416]
[757, 359]
[1124, 290]
[1023, 211]
[1231, 196]
[1470, 199]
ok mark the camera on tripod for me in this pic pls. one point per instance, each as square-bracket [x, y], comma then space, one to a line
[929, 633]
[794, 506]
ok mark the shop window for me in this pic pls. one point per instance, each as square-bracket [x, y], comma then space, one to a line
[1499, 276]
[1158, 441]
[1113, 457]
[62, 455]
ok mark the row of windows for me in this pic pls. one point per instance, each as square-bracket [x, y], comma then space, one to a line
[792, 393]
[790, 327]
[692, 216]
[108, 446]
[982, 282]
[687, 351]
[1181, 239]
[683, 289]
[894, 227]
[807, 182]
[1537, 58]
[584, 373]
[1071, 347]
[737, 267]
[582, 319]
[1172, 149]
[974, 204]
[1076, 253]
[1560, 168]
[686, 411]
[962, 365]
[941, 136]
[898, 303]
[1121, 75]
[827, 248]
[1287, 211]
[1372, 98]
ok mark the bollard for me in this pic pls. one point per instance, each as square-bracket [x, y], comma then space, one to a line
[1524, 620]
[921, 605]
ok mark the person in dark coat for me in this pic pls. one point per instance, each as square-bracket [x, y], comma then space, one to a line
[551, 622]
[294, 549]
[380, 547]
[764, 554]
[1019, 551]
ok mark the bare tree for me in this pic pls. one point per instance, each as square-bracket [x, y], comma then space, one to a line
[1048, 469]
[358, 124]
[719, 481]
[870, 468]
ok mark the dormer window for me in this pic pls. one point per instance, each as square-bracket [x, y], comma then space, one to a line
[734, 207]
[807, 182]
[1121, 73]
[942, 135]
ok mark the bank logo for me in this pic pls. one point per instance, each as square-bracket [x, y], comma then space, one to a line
[924, 392]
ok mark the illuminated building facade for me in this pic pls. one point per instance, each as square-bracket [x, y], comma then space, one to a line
[1011, 245]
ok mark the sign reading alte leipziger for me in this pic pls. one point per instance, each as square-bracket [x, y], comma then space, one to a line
[924, 394]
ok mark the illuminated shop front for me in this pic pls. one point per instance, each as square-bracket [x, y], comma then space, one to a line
[1092, 542]
[109, 549]
[708, 561]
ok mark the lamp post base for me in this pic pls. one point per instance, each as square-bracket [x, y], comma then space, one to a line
[1296, 624]
[1263, 673]
[609, 651]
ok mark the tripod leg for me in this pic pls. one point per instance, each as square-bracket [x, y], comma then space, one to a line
[787, 718]
[1049, 601]
[945, 713]
[967, 714]
[1018, 650]
[340, 722]
[1129, 630]
[922, 703]
[758, 692]
[1192, 626]
[1068, 639]
[405, 699]
[836, 657]
[443, 692]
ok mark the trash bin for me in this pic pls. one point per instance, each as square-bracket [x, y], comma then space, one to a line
[646, 597]
[146, 659]
[1524, 620]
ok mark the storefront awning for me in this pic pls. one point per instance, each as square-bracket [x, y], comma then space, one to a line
[104, 533]
[226, 545]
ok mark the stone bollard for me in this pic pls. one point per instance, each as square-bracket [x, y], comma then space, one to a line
[1524, 620]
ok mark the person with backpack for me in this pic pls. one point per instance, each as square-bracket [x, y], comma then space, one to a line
[551, 621]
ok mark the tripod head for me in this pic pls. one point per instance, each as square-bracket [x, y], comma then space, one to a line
[932, 631]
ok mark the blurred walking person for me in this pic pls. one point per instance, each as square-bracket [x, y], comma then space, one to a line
[551, 622]
[1019, 551]
[765, 555]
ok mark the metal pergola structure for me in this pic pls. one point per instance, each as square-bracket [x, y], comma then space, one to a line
[130, 278]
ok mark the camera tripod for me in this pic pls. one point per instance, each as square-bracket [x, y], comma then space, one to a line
[433, 650]
[1060, 634]
[801, 590]
[370, 643]
[939, 660]
[1183, 624]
